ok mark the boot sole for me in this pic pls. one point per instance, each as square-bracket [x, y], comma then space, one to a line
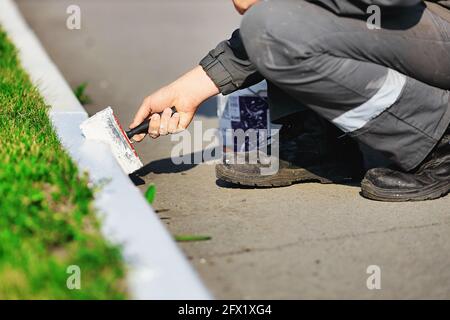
[370, 191]
[285, 179]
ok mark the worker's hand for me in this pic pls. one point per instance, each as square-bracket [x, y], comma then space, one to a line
[243, 5]
[185, 94]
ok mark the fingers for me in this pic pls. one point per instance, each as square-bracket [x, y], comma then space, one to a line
[160, 125]
[164, 124]
[185, 121]
[155, 123]
[165, 118]
[139, 137]
[173, 123]
[143, 113]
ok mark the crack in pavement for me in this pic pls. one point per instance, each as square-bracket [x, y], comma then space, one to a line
[324, 239]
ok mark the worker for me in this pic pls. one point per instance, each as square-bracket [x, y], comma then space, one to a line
[385, 86]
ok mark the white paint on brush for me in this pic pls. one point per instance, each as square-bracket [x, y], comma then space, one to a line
[104, 127]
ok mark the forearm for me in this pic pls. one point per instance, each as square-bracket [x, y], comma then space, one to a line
[197, 87]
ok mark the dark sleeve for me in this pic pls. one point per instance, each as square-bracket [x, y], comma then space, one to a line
[228, 66]
[359, 7]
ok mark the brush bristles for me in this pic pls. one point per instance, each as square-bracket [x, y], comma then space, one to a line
[103, 126]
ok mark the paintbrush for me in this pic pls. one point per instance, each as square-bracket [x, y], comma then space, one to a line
[105, 127]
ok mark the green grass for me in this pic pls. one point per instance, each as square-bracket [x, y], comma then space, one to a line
[46, 218]
[191, 238]
[80, 93]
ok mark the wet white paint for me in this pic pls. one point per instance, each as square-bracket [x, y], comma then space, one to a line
[104, 127]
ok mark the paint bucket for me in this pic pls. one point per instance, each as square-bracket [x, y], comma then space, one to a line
[246, 110]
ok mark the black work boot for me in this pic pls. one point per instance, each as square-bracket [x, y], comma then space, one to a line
[431, 180]
[310, 150]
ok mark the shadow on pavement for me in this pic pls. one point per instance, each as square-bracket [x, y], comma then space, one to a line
[164, 166]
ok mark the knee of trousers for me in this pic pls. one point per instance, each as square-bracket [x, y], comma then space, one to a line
[278, 34]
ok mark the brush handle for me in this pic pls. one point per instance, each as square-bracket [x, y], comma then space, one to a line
[143, 127]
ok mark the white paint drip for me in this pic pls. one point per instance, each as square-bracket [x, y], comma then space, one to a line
[104, 127]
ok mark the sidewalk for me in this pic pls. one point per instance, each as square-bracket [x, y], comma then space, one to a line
[305, 241]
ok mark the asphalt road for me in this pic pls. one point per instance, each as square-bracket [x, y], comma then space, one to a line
[305, 241]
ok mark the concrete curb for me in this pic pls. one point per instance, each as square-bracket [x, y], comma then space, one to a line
[157, 268]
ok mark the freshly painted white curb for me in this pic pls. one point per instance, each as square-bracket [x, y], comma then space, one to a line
[157, 268]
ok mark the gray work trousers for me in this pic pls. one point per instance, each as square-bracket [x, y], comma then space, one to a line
[388, 88]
